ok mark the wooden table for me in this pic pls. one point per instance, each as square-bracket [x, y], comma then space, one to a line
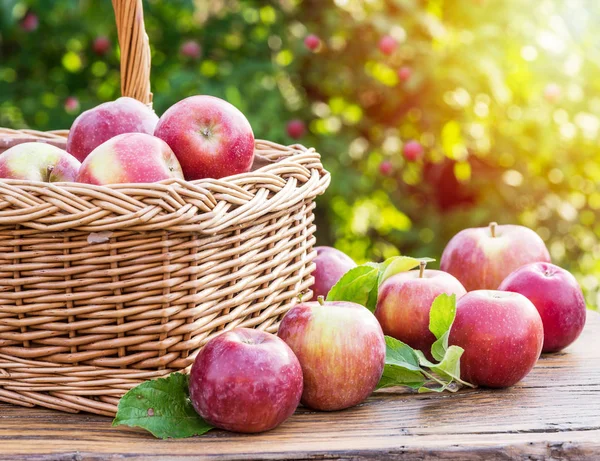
[553, 414]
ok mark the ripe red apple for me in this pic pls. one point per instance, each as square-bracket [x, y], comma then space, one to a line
[101, 45]
[484, 256]
[246, 381]
[95, 126]
[386, 168]
[71, 104]
[413, 151]
[312, 42]
[30, 22]
[387, 44]
[341, 348]
[296, 129]
[210, 137]
[38, 161]
[558, 298]
[191, 49]
[130, 158]
[502, 335]
[404, 303]
[331, 265]
[404, 73]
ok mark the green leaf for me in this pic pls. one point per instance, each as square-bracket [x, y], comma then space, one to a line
[397, 264]
[355, 285]
[162, 407]
[441, 318]
[401, 366]
[449, 367]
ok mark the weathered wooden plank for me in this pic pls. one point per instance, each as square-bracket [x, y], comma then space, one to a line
[553, 414]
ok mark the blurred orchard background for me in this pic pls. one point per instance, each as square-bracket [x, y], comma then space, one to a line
[432, 115]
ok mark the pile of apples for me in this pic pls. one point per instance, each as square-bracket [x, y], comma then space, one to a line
[512, 305]
[124, 141]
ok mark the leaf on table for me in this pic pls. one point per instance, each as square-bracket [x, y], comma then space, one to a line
[441, 318]
[162, 407]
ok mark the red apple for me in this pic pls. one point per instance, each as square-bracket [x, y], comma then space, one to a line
[191, 49]
[386, 168]
[404, 73]
[502, 335]
[38, 161]
[404, 303]
[101, 45]
[30, 22]
[296, 129]
[71, 104]
[558, 298]
[130, 158]
[341, 348]
[413, 151]
[95, 126]
[484, 256]
[312, 42]
[387, 44]
[210, 137]
[331, 265]
[246, 381]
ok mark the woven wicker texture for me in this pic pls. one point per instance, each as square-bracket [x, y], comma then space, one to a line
[104, 287]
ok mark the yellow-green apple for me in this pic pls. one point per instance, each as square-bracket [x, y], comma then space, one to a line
[130, 158]
[245, 380]
[501, 334]
[341, 349]
[210, 137]
[404, 303]
[38, 161]
[96, 126]
[484, 256]
[330, 264]
[558, 298]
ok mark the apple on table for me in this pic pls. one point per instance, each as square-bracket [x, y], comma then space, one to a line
[484, 256]
[558, 298]
[341, 349]
[245, 380]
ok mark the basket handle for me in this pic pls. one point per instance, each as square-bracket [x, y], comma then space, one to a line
[135, 50]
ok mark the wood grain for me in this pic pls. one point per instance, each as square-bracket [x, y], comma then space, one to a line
[553, 414]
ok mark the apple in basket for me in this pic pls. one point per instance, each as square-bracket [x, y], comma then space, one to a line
[210, 137]
[37, 161]
[130, 158]
[341, 348]
[95, 126]
[245, 380]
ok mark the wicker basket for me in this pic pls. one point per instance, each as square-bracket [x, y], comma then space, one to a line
[103, 287]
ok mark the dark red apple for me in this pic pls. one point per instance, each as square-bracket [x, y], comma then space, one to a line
[558, 298]
[312, 42]
[296, 129]
[484, 256]
[341, 348]
[30, 22]
[387, 44]
[101, 45]
[502, 335]
[331, 265]
[96, 126]
[404, 303]
[210, 137]
[246, 380]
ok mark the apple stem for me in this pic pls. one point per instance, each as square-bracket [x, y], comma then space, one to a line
[49, 170]
[321, 300]
[422, 265]
[493, 228]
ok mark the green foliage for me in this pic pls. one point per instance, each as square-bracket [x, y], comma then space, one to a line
[502, 96]
[162, 407]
